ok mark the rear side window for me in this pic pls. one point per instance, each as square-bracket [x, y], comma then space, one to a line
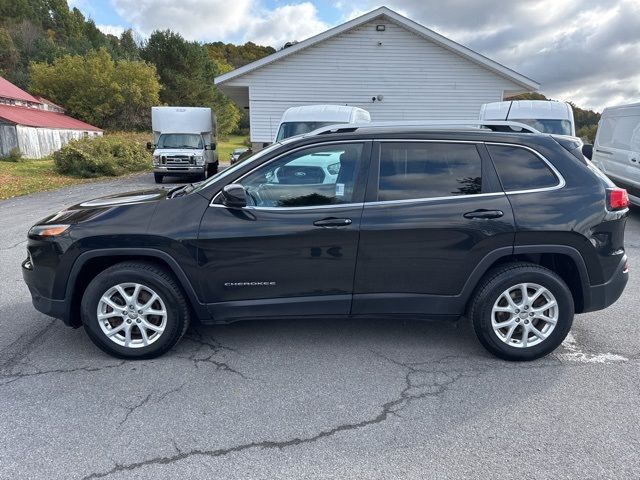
[410, 170]
[520, 169]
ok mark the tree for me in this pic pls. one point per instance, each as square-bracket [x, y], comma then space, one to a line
[95, 88]
[186, 72]
[9, 55]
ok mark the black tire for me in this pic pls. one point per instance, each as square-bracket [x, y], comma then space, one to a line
[212, 169]
[149, 275]
[498, 281]
[158, 177]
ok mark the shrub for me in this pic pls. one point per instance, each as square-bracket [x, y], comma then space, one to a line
[110, 155]
[15, 155]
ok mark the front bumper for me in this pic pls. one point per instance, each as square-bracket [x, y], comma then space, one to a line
[179, 169]
[52, 307]
[599, 297]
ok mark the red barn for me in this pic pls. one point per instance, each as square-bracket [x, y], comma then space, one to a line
[34, 125]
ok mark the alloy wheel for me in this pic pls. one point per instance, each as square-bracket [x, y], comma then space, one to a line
[132, 315]
[524, 315]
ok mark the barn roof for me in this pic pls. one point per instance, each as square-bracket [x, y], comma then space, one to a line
[33, 117]
[9, 90]
[410, 25]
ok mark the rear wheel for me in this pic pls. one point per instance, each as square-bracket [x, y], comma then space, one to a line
[134, 310]
[522, 311]
[158, 177]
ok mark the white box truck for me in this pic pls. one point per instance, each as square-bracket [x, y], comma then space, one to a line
[184, 142]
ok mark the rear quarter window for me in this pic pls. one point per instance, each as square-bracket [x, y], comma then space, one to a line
[521, 169]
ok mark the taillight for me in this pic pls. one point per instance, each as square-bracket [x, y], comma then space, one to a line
[617, 198]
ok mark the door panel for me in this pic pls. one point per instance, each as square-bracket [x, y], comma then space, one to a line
[254, 255]
[426, 249]
[293, 250]
[416, 254]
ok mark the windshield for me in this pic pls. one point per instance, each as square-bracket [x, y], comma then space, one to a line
[291, 129]
[545, 125]
[180, 140]
[228, 171]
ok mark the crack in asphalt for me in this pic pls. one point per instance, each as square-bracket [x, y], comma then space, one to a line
[13, 377]
[144, 401]
[21, 346]
[420, 382]
[205, 342]
[11, 247]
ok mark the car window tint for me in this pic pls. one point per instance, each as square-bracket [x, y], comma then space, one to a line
[427, 170]
[521, 169]
[322, 175]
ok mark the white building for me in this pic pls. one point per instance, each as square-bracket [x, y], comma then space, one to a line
[383, 62]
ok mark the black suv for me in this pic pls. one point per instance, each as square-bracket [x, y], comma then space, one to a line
[515, 231]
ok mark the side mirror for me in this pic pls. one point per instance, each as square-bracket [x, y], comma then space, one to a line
[587, 150]
[150, 146]
[234, 196]
[211, 146]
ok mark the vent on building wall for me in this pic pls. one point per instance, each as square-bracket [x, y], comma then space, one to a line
[381, 28]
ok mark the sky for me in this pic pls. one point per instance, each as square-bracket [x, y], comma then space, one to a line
[585, 51]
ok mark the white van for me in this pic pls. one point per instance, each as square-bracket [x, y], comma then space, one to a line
[616, 150]
[307, 118]
[547, 116]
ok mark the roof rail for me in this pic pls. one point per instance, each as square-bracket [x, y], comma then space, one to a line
[494, 125]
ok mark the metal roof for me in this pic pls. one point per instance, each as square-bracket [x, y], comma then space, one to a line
[9, 90]
[34, 117]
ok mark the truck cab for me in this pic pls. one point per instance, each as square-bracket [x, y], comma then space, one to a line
[546, 116]
[184, 142]
[304, 119]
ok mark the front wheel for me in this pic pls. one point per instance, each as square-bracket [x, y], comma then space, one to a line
[522, 311]
[212, 169]
[158, 177]
[134, 310]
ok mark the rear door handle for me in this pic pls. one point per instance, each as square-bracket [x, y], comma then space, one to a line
[606, 152]
[332, 222]
[482, 213]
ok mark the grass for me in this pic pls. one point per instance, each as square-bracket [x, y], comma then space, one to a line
[31, 176]
[227, 145]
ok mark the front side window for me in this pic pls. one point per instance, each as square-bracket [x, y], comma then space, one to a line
[180, 140]
[428, 170]
[315, 176]
[521, 169]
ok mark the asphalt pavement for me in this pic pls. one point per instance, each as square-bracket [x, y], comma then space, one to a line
[381, 399]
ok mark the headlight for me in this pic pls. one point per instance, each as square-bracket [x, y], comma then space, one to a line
[156, 159]
[48, 230]
[199, 160]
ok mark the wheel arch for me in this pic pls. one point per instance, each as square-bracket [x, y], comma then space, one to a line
[565, 261]
[89, 264]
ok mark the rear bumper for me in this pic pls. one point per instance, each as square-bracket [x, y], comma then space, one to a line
[599, 297]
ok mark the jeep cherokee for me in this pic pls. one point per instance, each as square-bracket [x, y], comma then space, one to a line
[514, 231]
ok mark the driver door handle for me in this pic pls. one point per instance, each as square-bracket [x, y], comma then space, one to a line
[332, 222]
[482, 213]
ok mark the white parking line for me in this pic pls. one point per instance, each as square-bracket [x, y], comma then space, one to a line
[575, 354]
